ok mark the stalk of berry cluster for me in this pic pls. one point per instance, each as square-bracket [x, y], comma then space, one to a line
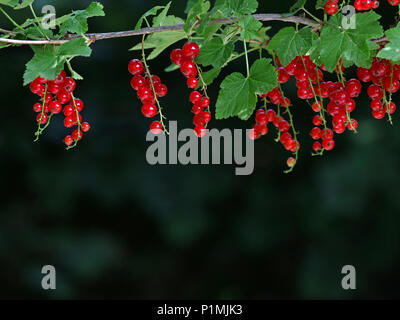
[150, 77]
[41, 129]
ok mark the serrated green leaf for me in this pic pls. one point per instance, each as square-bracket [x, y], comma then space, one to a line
[45, 63]
[10, 3]
[215, 53]
[238, 94]
[159, 20]
[250, 26]
[239, 7]
[77, 22]
[153, 11]
[74, 47]
[391, 51]
[350, 44]
[161, 41]
[24, 4]
[298, 5]
[210, 75]
[201, 7]
[289, 43]
[320, 4]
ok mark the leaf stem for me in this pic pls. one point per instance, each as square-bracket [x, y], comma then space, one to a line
[247, 58]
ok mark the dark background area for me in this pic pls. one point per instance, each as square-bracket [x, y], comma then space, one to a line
[115, 227]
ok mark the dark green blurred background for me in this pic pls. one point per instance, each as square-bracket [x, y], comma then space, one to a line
[115, 227]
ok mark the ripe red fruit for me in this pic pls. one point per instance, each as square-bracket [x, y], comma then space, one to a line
[79, 105]
[177, 57]
[192, 83]
[316, 106]
[200, 131]
[156, 127]
[317, 146]
[60, 78]
[69, 85]
[69, 122]
[331, 7]
[64, 97]
[69, 110]
[253, 134]
[328, 144]
[77, 135]
[352, 125]
[137, 82]
[188, 68]
[37, 107]
[378, 114]
[85, 127]
[161, 90]
[55, 107]
[145, 93]
[68, 140]
[149, 110]
[190, 50]
[291, 162]
[42, 118]
[316, 133]
[317, 121]
[135, 67]
[195, 97]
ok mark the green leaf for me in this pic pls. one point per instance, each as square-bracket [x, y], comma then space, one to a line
[210, 75]
[74, 47]
[24, 4]
[10, 3]
[250, 26]
[289, 43]
[298, 5]
[240, 7]
[77, 23]
[161, 41]
[215, 53]
[320, 4]
[45, 63]
[151, 12]
[171, 67]
[200, 8]
[351, 44]
[159, 20]
[238, 94]
[391, 51]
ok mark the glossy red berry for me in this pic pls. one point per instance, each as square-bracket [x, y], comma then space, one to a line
[77, 135]
[189, 69]
[85, 127]
[192, 83]
[156, 127]
[200, 131]
[149, 110]
[135, 67]
[177, 56]
[42, 118]
[55, 107]
[37, 107]
[68, 141]
[190, 50]
[195, 97]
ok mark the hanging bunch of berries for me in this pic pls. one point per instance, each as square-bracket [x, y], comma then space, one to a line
[53, 95]
[184, 58]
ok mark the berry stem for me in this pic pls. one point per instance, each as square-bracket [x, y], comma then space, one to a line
[40, 130]
[78, 123]
[147, 71]
[38, 23]
[247, 58]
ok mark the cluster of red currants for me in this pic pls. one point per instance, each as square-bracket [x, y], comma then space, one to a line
[365, 5]
[53, 95]
[149, 89]
[185, 59]
[385, 81]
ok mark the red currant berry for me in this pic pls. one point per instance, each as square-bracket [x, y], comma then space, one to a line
[156, 127]
[149, 110]
[317, 146]
[328, 144]
[68, 141]
[195, 97]
[192, 83]
[200, 131]
[189, 69]
[37, 107]
[69, 85]
[137, 82]
[69, 122]
[77, 135]
[135, 67]
[55, 107]
[85, 127]
[190, 50]
[42, 118]
[177, 57]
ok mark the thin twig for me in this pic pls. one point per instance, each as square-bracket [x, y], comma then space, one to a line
[176, 27]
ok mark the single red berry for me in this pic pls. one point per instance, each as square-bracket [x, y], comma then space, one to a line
[77, 135]
[137, 82]
[195, 97]
[177, 57]
[42, 118]
[192, 83]
[69, 85]
[68, 140]
[55, 107]
[200, 131]
[328, 144]
[69, 110]
[85, 127]
[190, 50]
[317, 146]
[135, 67]
[316, 133]
[149, 110]
[188, 68]
[253, 134]
[37, 107]
[331, 7]
[69, 122]
[161, 90]
[291, 162]
[156, 127]
[64, 97]
[79, 105]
